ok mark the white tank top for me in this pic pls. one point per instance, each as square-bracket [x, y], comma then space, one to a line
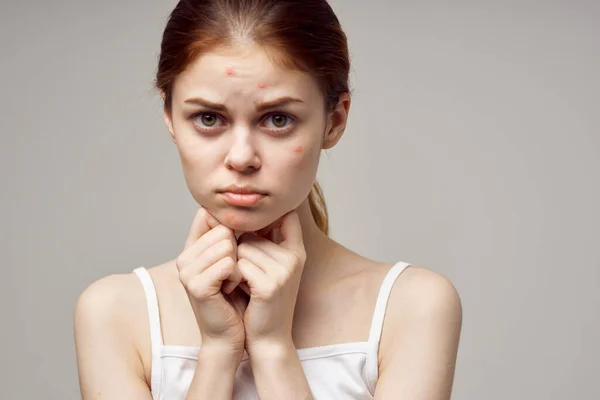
[336, 371]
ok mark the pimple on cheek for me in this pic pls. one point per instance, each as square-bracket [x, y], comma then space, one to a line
[298, 149]
[230, 71]
[262, 85]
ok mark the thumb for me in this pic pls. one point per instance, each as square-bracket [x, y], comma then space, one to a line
[291, 231]
[202, 223]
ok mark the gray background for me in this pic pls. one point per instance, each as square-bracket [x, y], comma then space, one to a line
[473, 149]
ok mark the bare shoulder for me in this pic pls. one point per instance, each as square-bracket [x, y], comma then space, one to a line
[421, 333]
[108, 320]
[426, 291]
[118, 297]
[103, 294]
[111, 300]
[422, 302]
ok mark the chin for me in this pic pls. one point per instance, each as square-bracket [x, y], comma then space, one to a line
[245, 220]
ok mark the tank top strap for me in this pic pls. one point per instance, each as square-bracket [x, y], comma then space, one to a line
[156, 339]
[377, 321]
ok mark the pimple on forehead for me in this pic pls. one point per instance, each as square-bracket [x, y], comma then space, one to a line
[230, 71]
[262, 85]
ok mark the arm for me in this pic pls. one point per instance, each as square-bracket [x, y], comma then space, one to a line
[215, 373]
[108, 362]
[419, 357]
[278, 373]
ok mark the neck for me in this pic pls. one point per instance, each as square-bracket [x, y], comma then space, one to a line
[319, 247]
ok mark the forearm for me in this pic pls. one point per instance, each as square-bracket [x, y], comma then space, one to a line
[278, 372]
[214, 376]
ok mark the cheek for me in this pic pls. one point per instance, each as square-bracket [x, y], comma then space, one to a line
[288, 162]
[303, 157]
[198, 160]
[193, 156]
[298, 156]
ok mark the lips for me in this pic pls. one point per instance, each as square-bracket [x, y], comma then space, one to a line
[242, 195]
[243, 199]
[242, 189]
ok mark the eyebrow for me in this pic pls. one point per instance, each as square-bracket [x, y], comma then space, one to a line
[259, 106]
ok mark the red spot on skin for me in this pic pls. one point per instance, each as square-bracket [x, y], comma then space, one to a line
[298, 149]
[230, 71]
[231, 218]
[262, 85]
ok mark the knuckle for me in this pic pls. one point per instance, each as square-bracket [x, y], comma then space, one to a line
[229, 261]
[182, 260]
[226, 245]
[282, 280]
[184, 277]
[225, 271]
[242, 249]
[292, 259]
[271, 290]
[222, 230]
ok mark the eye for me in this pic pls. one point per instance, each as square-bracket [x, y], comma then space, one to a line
[207, 119]
[277, 122]
[280, 121]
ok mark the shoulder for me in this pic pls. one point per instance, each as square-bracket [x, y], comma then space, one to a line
[108, 322]
[116, 297]
[422, 304]
[112, 308]
[422, 298]
[109, 299]
[419, 343]
[422, 292]
[118, 302]
[111, 315]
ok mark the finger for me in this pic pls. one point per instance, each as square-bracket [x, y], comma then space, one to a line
[211, 256]
[253, 275]
[208, 284]
[263, 243]
[274, 250]
[267, 230]
[202, 223]
[234, 280]
[214, 236]
[259, 258]
[291, 232]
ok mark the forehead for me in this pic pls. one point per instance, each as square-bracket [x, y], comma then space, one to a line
[243, 68]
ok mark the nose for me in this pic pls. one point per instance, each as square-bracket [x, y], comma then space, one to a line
[242, 155]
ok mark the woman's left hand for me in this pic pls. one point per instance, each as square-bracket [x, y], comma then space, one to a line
[272, 267]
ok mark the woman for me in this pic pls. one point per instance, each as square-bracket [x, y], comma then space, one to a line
[261, 303]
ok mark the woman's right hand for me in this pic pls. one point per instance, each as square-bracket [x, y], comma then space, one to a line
[209, 273]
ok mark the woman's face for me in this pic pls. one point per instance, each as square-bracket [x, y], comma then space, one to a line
[239, 119]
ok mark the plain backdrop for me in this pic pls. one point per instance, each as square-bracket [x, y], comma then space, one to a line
[473, 149]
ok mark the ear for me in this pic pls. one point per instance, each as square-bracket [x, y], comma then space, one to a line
[336, 121]
[168, 119]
